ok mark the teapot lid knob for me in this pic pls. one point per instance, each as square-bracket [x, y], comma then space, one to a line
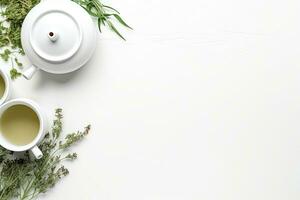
[53, 36]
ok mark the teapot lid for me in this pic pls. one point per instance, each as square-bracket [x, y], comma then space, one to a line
[53, 41]
[58, 36]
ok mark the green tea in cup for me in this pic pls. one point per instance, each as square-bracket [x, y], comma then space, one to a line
[19, 125]
[2, 86]
[23, 125]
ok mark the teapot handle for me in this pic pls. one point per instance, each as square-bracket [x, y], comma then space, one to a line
[36, 152]
[28, 74]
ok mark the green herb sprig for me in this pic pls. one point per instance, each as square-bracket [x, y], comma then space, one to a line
[13, 12]
[26, 178]
[104, 14]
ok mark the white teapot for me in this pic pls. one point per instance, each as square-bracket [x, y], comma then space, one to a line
[58, 36]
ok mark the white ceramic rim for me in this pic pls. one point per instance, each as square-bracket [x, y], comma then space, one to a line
[7, 87]
[56, 59]
[31, 104]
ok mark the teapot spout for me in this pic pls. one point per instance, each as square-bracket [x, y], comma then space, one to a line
[28, 74]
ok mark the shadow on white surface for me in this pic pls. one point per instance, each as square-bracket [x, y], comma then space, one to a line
[44, 78]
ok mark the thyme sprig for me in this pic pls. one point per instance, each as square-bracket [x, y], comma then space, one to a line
[25, 178]
[13, 13]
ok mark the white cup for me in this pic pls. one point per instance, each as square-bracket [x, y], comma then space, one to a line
[32, 146]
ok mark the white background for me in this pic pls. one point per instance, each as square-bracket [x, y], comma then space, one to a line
[201, 103]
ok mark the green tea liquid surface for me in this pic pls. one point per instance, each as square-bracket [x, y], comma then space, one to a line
[2, 86]
[19, 125]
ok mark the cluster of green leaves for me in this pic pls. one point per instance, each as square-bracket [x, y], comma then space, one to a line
[13, 13]
[25, 178]
[104, 14]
